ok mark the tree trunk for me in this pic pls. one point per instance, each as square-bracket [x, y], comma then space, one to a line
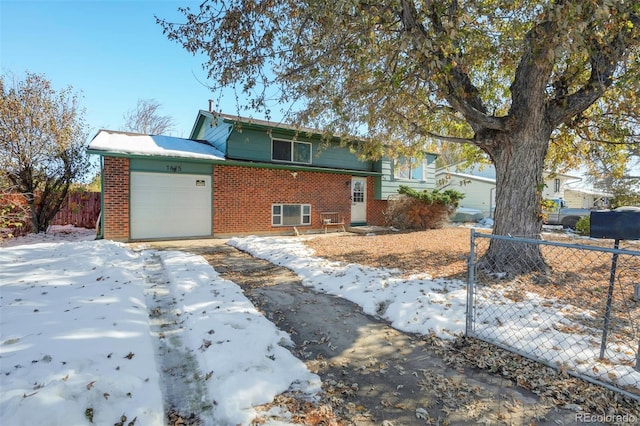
[519, 162]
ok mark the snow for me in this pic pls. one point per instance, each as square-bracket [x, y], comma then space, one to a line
[419, 304]
[108, 141]
[413, 303]
[78, 338]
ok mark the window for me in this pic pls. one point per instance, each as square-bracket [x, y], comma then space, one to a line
[357, 196]
[290, 214]
[290, 151]
[409, 168]
[556, 185]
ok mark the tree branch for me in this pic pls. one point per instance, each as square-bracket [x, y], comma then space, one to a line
[604, 60]
[459, 91]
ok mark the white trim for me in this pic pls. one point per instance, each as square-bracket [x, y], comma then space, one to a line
[423, 165]
[280, 215]
[291, 153]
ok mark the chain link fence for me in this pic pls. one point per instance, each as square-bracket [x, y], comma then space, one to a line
[574, 307]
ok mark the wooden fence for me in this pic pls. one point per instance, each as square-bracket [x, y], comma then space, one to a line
[80, 209]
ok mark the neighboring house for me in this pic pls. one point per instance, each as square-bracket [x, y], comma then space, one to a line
[237, 176]
[478, 183]
[581, 194]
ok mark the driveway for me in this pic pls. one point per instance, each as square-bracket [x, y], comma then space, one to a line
[372, 374]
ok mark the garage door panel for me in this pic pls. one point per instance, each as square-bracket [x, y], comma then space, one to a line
[170, 205]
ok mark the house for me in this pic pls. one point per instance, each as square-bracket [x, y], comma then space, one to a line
[478, 183]
[238, 176]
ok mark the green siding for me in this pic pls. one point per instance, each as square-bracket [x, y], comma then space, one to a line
[169, 166]
[217, 135]
[255, 145]
[252, 142]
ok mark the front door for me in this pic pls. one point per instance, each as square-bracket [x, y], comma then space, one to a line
[358, 200]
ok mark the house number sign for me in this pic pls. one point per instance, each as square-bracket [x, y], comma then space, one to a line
[174, 169]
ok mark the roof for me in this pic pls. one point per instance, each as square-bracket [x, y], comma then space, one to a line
[485, 172]
[586, 188]
[253, 122]
[489, 180]
[125, 143]
[265, 123]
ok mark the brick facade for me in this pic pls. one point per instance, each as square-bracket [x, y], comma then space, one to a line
[243, 197]
[375, 208]
[115, 183]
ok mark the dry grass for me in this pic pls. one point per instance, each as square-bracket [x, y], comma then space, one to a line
[438, 252]
[579, 277]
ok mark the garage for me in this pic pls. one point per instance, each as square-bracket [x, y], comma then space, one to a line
[170, 205]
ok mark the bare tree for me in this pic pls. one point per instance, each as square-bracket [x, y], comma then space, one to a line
[42, 144]
[145, 118]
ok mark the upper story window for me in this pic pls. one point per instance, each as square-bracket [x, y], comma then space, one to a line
[291, 151]
[410, 169]
[556, 185]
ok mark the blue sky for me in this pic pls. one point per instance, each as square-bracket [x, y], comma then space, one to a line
[110, 50]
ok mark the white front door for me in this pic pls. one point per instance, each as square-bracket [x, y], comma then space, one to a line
[358, 200]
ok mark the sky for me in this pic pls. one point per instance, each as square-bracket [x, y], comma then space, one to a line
[82, 329]
[110, 50]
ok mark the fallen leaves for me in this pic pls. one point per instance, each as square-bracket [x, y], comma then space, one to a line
[421, 413]
[550, 384]
[205, 344]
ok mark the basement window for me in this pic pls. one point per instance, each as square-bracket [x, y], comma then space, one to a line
[290, 214]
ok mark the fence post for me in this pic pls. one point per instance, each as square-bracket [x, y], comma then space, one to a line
[607, 313]
[471, 277]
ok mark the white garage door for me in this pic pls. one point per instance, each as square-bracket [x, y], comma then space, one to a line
[167, 205]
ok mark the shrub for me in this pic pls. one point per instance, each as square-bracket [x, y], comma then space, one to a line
[14, 215]
[583, 225]
[421, 209]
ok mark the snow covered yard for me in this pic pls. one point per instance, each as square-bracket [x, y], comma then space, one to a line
[76, 345]
[78, 342]
[545, 327]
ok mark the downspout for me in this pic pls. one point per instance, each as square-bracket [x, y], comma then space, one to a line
[100, 234]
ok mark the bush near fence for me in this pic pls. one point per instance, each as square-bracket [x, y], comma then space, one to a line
[559, 316]
[80, 209]
[14, 215]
